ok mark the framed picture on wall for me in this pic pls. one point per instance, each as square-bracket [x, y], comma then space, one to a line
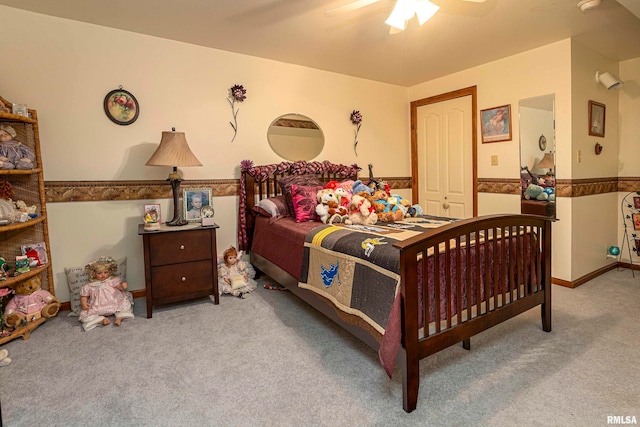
[496, 124]
[193, 201]
[121, 107]
[596, 118]
[636, 221]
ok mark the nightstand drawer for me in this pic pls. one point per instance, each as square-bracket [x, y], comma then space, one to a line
[174, 248]
[180, 281]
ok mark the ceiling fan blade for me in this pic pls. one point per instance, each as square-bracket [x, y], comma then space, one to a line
[349, 7]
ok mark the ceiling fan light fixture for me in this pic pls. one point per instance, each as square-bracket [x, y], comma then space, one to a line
[402, 11]
[425, 10]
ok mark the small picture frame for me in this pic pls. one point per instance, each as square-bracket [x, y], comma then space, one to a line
[20, 110]
[636, 242]
[40, 250]
[193, 199]
[636, 221]
[121, 107]
[597, 116]
[154, 211]
[496, 124]
[636, 202]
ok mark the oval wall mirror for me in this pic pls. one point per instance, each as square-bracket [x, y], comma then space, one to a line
[295, 137]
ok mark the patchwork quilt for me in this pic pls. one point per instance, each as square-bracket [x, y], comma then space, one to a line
[357, 268]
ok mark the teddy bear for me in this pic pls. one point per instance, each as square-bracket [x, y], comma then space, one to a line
[535, 192]
[342, 191]
[361, 211]
[29, 303]
[387, 212]
[328, 208]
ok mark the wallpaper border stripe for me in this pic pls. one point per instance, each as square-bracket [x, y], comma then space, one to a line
[93, 191]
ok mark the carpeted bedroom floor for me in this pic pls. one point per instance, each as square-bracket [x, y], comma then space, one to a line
[271, 360]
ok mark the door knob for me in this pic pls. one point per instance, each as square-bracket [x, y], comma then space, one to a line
[445, 206]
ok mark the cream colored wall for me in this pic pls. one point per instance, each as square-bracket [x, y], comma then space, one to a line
[541, 71]
[65, 68]
[629, 158]
[629, 97]
[594, 219]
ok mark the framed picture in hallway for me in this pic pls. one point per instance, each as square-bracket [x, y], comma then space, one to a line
[597, 114]
[496, 124]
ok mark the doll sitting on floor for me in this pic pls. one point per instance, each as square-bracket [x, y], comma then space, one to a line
[104, 295]
[235, 275]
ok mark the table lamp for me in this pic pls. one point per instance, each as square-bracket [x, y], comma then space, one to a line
[547, 162]
[174, 151]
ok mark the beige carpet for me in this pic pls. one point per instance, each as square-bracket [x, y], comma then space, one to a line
[271, 360]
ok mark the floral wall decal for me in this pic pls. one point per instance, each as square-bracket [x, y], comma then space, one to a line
[356, 119]
[237, 93]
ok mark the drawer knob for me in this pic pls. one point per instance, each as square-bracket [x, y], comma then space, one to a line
[184, 279]
[181, 247]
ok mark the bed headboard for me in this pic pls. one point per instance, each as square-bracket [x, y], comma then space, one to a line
[261, 182]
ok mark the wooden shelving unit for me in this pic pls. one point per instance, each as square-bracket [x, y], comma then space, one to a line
[28, 186]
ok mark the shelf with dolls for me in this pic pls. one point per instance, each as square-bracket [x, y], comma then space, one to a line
[23, 212]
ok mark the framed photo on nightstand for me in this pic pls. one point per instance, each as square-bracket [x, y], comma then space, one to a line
[193, 201]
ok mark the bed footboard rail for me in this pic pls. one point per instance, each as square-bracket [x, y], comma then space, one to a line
[463, 278]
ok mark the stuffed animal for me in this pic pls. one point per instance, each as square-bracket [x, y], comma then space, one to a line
[390, 212]
[535, 192]
[359, 187]
[361, 211]
[415, 210]
[30, 303]
[328, 208]
[551, 192]
[343, 192]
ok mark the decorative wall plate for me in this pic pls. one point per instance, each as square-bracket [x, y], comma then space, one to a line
[542, 143]
[121, 107]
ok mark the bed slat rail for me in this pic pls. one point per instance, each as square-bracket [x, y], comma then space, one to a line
[479, 272]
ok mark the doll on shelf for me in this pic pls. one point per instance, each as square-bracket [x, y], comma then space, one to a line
[14, 154]
[235, 275]
[104, 295]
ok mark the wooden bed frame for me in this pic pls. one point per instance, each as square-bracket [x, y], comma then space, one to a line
[511, 294]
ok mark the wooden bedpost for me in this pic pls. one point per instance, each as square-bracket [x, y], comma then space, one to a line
[546, 277]
[410, 351]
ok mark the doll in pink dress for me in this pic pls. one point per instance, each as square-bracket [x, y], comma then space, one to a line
[104, 295]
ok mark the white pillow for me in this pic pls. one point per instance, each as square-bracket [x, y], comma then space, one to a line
[78, 277]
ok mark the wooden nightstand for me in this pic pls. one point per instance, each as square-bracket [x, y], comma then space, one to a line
[179, 264]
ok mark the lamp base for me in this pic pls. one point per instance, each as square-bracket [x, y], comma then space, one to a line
[177, 220]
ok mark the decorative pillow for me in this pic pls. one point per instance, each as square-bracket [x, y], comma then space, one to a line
[305, 201]
[273, 206]
[287, 181]
[78, 277]
[238, 282]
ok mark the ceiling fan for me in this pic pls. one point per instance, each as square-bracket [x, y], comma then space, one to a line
[401, 13]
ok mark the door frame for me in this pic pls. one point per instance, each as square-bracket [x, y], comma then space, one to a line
[469, 91]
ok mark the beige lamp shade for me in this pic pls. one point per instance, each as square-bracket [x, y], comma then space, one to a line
[173, 151]
[547, 162]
